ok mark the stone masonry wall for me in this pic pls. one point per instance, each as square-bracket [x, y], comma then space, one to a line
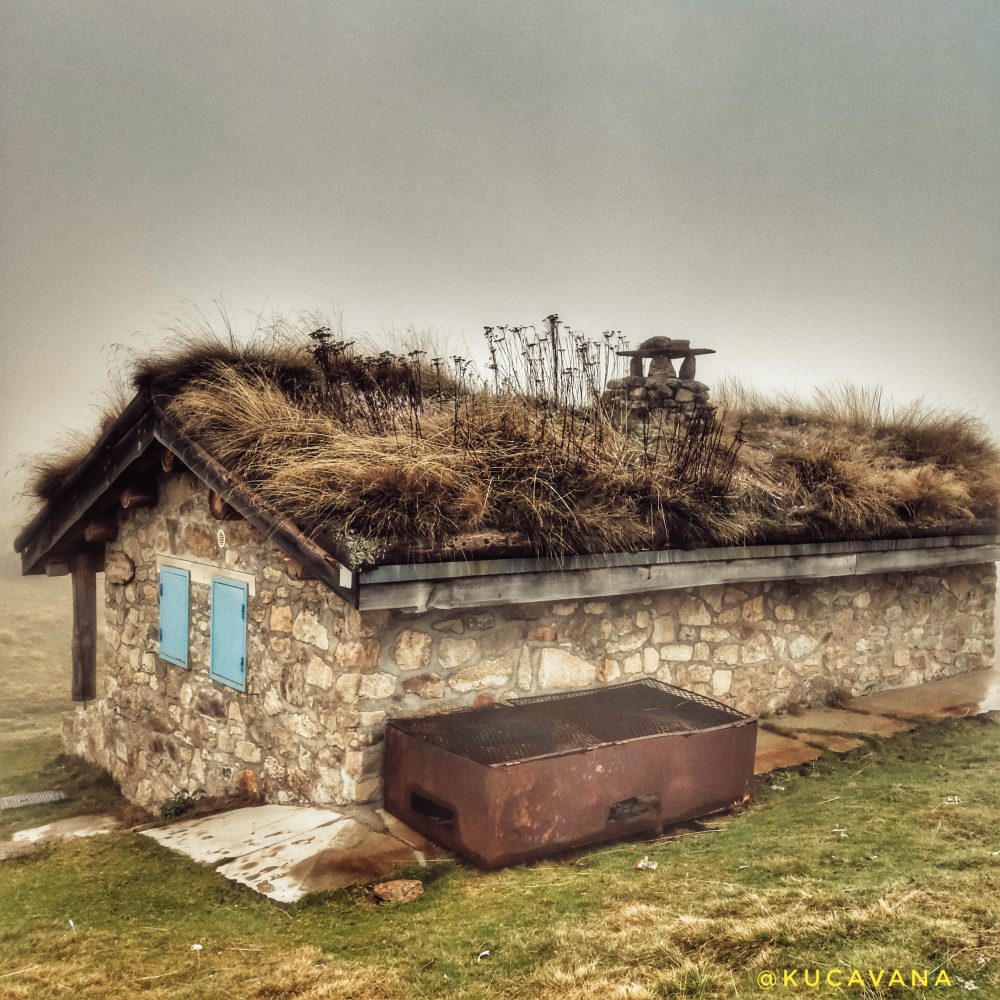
[322, 678]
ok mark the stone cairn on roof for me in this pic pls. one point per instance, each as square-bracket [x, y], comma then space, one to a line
[662, 394]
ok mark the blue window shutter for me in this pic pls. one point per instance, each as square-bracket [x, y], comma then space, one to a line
[229, 633]
[175, 586]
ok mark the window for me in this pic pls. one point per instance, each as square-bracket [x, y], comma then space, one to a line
[175, 585]
[229, 633]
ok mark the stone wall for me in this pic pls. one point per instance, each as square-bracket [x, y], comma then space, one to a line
[322, 678]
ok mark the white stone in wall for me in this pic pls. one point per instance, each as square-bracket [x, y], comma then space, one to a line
[319, 673]
[308, 629]
[376, 686]
[722, 681]
[694, 612]
[494, 673]
[455, 652]
[559, 668]
[801, 645]
[413, 649]
[677, 652]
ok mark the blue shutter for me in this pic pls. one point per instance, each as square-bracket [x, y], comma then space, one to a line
[229, 633]
[175, 585]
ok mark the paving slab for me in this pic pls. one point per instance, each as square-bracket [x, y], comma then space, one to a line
[953, 697]
[831, 741]
[775, 751]
[838, 721]
[287, 852]
[327, 859]
[211, 839]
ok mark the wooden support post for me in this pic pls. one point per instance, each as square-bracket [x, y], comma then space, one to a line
[84, 626]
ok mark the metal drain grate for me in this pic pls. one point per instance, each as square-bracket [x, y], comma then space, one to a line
[30, 799]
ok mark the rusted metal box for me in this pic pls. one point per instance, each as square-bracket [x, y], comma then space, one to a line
[510, 782]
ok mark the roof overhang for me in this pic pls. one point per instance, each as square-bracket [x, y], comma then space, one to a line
[470, 584]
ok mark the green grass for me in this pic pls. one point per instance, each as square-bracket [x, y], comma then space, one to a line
[915, 884]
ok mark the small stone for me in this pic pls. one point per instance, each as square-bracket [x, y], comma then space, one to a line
[319, 673]
[454, 625]
[281, 619]
[728, 653]
[677, 652]
[608, 670]
[633, 664]
[249, 752]
[488, 674]
[543, 633]
[376, 686]
[481, 622]
[801, 645]
[722, 681]
[302, 726]
[694, 612]
[753, 610]
[595, 608]
[308, 629]
[359, 653]
[559, 668]
[650, 660]
[784, 613]
[413, 649]
[642, 619]
[455, 652]
[563, 610]
[347, 688]
[664, 630]
[400, 890]
[424, 686]
[247, 783]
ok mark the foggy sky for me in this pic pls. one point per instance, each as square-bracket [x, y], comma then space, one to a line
[811, 188]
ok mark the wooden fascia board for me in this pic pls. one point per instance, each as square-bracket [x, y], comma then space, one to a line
[595, 584]
[111, 457]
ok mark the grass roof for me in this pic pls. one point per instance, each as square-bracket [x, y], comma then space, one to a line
[407, 447]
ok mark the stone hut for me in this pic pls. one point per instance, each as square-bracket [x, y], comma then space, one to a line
[240, 650]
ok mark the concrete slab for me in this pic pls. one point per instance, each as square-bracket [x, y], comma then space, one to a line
[327, 859]
[953, 697]
[838, 721]
[775, 752]
[233, 834]
[287, 852]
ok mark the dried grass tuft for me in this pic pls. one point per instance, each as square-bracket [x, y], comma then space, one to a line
[414, 446]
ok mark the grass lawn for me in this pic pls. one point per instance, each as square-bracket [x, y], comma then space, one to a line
[887, 859]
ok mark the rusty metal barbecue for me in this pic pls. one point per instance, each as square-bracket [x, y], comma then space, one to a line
[511, 782]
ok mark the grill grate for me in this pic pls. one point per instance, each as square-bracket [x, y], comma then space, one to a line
[566, 723]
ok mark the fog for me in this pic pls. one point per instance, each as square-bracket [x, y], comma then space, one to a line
[811, 189]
